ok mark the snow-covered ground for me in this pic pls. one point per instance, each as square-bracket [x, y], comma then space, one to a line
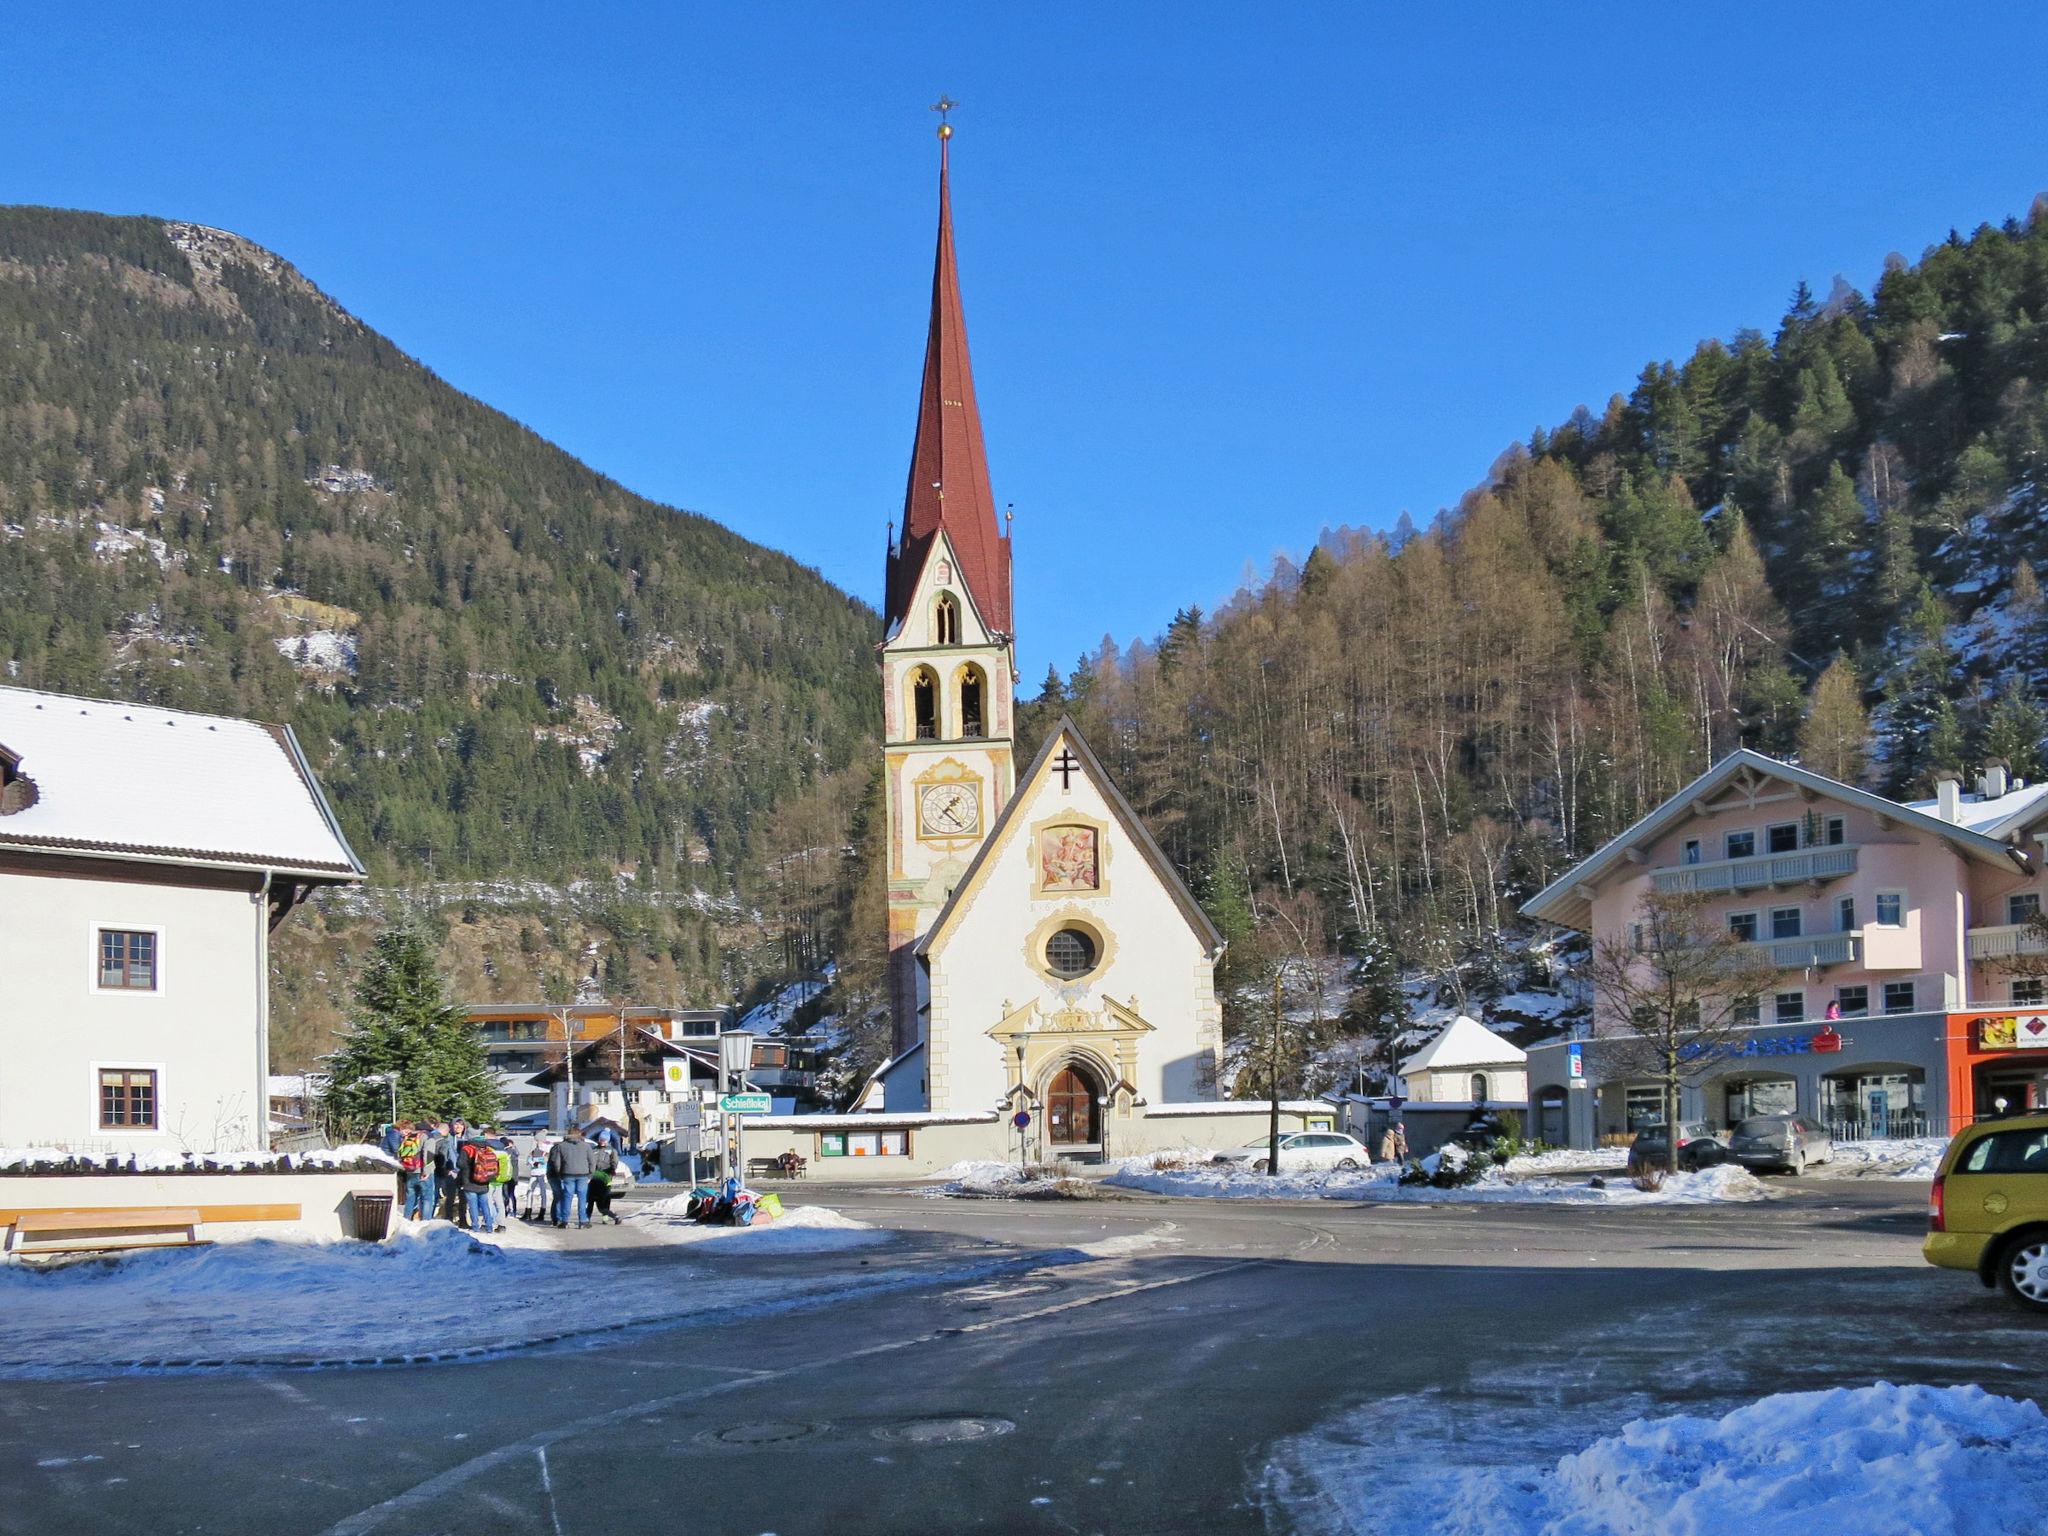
[187, 1162]
[1914, 1158]
[1879, 1460]
[430, 1290]
[1498, 1186]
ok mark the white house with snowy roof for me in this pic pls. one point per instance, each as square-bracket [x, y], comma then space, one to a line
[1467, 1064]
[146, 856]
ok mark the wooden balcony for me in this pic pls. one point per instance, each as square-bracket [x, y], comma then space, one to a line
[1761, 872]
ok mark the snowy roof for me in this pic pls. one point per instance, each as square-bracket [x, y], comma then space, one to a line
[135, 781]
[1465, 1042]
[1992, 816]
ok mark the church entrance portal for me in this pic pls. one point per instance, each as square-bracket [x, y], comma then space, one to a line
[1073, 1117]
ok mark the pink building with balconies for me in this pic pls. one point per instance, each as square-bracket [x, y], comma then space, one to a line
[1885, 920]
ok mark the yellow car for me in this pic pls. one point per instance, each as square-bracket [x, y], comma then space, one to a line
[1988, 1209]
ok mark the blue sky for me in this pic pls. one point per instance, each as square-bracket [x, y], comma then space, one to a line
[1232, 274]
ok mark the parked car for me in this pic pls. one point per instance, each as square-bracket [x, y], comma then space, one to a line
[1698, 1147]
[1988, 1208]
[1302, 1152]
[1791, 1142]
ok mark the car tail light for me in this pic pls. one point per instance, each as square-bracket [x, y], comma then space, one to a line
[1935, 1221]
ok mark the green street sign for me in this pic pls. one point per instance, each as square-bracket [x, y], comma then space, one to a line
[743, 1103]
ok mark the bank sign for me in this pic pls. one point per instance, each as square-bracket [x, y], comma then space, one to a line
[2013, 1032]
[1821, 1043]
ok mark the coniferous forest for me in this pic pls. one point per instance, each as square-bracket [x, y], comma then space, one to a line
[218, 490]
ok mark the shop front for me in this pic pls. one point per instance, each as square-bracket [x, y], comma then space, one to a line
[1997, 1064]
[1879, 1077]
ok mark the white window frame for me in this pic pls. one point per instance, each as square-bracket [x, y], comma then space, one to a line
[2020, 896]
[1877, 909]
[1845, 905]
[1912, 992]
[92, 947]
[1748, 832]
[1798, 916]
[1756, 923]
[1842, 1006]
[93, 1069]
[1777, 1003]
[1780, 826]
[1834, 831]
[1692, 851]
[2034, 984]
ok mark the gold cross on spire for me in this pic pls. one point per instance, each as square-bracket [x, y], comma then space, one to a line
[943, 106]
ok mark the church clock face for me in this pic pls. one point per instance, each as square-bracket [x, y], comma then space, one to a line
[949, 810]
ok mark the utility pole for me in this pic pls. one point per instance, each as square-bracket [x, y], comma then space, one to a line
[1273, 1084]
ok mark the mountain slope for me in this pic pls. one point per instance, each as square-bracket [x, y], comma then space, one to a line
[217, 489]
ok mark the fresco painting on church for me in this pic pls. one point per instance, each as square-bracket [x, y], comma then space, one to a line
[1067, 860]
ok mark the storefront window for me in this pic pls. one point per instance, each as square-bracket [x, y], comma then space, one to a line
[1875, 1105]
[1761, 1096]
[1643, 1105]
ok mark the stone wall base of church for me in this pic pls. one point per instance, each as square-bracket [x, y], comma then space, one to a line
[883, 1146]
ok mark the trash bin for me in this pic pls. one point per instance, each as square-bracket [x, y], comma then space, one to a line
[372, 1216]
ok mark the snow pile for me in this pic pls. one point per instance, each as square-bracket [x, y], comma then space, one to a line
[55, 1160]
[1497, 1186]
[431, 1290]
[1917, 1157]
[1881, 1460]
[320, 650]
[1564, 1160]
[800, 1229]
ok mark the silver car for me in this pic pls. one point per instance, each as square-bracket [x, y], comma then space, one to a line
[1791, 1142]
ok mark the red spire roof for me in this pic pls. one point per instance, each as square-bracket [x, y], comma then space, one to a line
[948, 466]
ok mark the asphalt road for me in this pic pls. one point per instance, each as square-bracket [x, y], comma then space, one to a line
[1133, 1365]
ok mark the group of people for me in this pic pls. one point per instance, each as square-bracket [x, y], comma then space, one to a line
[475, 1177]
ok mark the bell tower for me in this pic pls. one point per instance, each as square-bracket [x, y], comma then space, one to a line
[948, 662]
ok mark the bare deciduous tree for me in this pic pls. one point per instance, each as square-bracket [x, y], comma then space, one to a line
[1673, 992]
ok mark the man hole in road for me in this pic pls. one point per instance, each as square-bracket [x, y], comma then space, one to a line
[942, 1431]
[770, 1432]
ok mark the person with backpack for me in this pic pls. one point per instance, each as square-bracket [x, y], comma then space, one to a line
[571, 1163]
[415, 1166]
[476, 1166]
[447, 1172]
[508, 1173]
[605, 1162]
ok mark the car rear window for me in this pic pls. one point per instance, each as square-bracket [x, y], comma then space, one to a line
[1762, 1127]
[2008, 1152]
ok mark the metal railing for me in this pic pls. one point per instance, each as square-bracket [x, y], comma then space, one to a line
[1757, 871]
[2004, 941]
[1897, 1126]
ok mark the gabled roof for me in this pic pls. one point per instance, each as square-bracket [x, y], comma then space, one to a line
[948, 486]
[1069, 733]
[168, 786]
[1465, 1042]
[1564, 900]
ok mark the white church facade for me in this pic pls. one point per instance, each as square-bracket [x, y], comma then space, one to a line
[1052, 980]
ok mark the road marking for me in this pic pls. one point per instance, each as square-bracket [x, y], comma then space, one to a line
[370, 1519]
[547, 1486]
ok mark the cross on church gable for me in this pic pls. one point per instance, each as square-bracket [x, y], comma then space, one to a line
[1066, 765]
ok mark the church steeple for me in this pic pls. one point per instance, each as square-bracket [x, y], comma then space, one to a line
[948, 489]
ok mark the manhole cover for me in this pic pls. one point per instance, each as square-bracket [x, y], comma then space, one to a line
[769, 1432]
[943, 1431]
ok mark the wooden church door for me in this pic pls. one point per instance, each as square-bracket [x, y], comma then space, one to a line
[1071, 1110]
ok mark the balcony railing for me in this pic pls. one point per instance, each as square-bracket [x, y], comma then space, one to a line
[1764, 869]
[1809, 950]
[2005, 941]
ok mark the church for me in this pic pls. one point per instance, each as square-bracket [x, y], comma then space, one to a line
[1052, 979]
[1045, 955]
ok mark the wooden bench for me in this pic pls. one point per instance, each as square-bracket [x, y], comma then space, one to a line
[773, 1168]
[98, 1229]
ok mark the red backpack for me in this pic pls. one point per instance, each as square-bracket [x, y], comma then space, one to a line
[483, 1163]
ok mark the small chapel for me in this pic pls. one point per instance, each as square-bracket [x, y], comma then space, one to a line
[1046, 958]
